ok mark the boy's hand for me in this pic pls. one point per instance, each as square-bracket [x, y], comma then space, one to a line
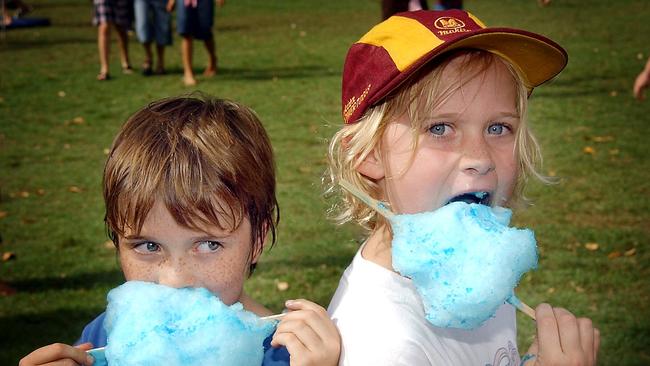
[563, 339]
[309, 335]
[170, 5]
[59, 354]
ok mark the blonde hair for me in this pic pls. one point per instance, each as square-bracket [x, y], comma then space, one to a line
[353, 142]
[208, 160]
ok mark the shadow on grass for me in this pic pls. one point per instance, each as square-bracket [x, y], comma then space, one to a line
[255, 74]
[77, 282]
[22, 334]
[59, 4]
[232, 28]
[281, 72]
[24, 44]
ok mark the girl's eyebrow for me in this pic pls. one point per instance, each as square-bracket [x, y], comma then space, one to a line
[508, 114]
[455, 114]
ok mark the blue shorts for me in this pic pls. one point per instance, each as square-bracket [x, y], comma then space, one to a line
[195, 22]
[153, 22]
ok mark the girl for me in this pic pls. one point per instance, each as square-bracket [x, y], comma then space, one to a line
[434, 105]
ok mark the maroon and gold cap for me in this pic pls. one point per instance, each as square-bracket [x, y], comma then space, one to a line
[396, 48]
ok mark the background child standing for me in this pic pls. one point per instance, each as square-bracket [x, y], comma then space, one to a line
[194, 19]
[109, 14]
[189, 188]
[435, 105]
[153, 22]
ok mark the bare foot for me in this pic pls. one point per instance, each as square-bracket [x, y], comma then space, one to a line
[210, 71]
[189, 80]
[544, 2]
[6, 20]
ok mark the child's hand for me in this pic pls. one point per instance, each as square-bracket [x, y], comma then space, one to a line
[563, 339]
[641, 82]
[59, 354]
[170, 5]
[309, 335]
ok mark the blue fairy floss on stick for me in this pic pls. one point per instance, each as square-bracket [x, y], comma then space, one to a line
[151, 324]
[463, 259]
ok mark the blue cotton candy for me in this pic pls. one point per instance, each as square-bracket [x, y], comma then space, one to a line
[463, 259]
[149, 324]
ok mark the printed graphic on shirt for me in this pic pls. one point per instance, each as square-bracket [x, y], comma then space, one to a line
[506, 356]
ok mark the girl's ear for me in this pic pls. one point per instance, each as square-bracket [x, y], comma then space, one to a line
[372, 166]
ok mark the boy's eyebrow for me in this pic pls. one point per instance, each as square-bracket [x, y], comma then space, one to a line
[206, 236]
[209, 236]
[137, 237]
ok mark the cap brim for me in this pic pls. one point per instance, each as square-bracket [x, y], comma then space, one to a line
[538, 58]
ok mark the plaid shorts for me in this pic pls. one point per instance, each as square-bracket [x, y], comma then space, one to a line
[118, 12]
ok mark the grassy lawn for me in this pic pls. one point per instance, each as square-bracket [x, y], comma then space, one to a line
[284, 58]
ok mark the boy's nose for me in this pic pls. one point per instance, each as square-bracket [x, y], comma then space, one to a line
[175, 275]
[476, 159]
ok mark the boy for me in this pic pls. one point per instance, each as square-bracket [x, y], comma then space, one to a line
[189, 187]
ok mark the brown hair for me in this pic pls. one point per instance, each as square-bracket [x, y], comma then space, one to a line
[209, 160]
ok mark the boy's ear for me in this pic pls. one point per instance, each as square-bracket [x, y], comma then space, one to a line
[372, 166]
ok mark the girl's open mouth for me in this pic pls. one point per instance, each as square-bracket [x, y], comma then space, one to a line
[483, 198]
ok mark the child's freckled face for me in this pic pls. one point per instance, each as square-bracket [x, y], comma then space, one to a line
[169, 254]
[466, 145]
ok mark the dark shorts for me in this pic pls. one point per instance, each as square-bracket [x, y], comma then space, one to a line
[195, 22]
[118, 12]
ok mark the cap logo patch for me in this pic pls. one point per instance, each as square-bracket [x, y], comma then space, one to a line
[354, 102]
[448, 25]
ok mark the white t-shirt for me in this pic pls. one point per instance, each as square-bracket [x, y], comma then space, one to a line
[382, 323]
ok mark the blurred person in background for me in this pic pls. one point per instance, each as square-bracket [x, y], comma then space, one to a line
[642, 81]
[194, 19]
[153, 22]
[109, 14]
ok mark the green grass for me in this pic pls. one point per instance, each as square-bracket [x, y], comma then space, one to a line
[284, 60]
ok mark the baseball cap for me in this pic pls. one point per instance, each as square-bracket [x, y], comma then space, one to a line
[396, 48]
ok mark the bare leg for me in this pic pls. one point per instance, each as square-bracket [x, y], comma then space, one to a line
[211, 70]
[124, 49]
[103, 46]
[160, 51]
[186, 55]
[148, 59]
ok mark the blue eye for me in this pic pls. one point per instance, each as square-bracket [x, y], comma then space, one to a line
[146, 247]
[498, 129]
[438, 130]
[208, 246]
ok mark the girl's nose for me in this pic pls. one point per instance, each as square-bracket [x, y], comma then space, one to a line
[175, 274]
[477, 159]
